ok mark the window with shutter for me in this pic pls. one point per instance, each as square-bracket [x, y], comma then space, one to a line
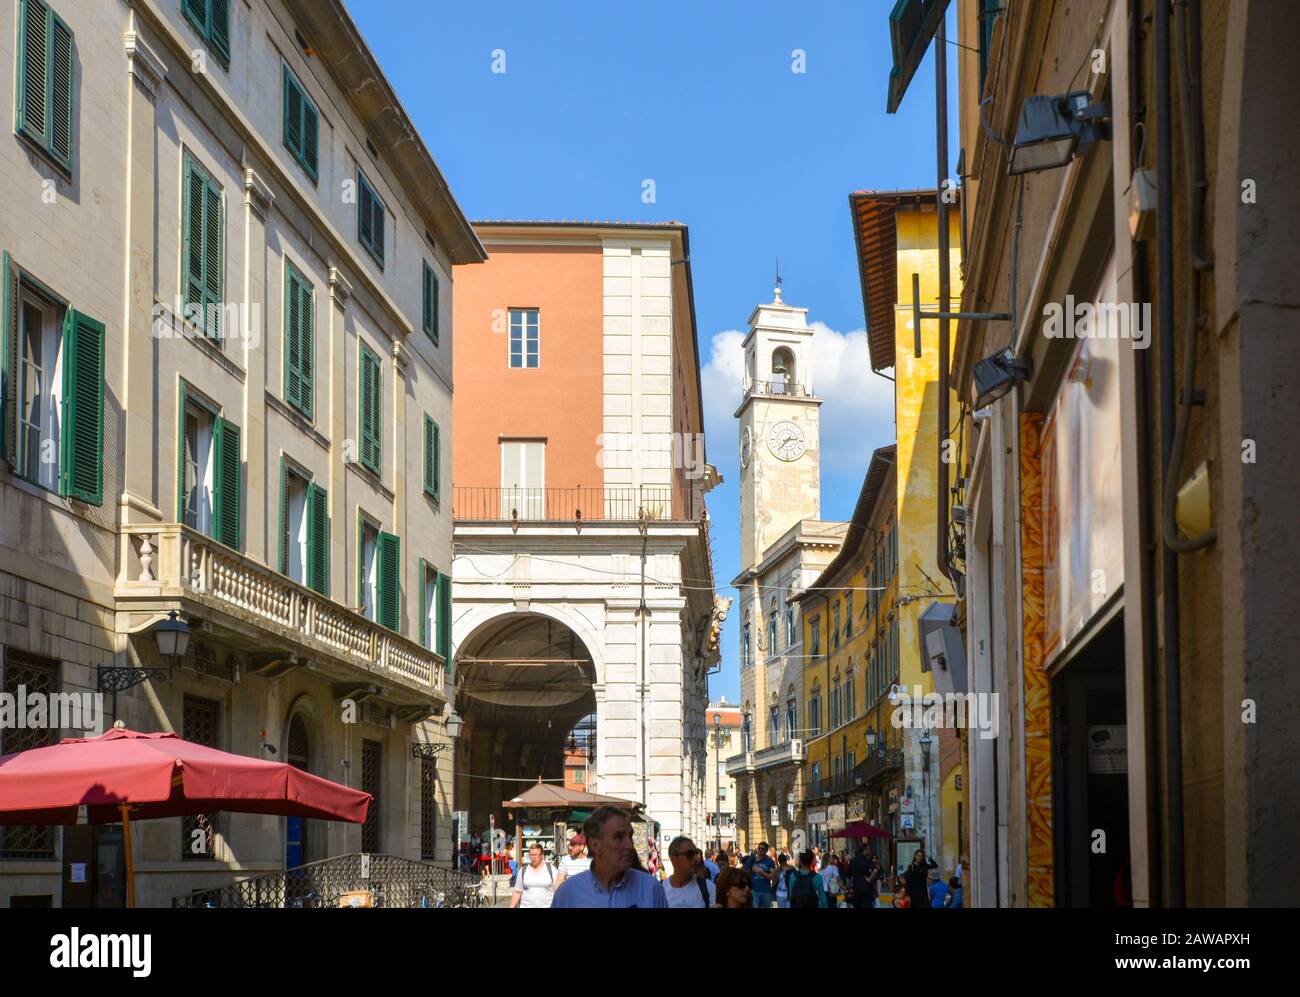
[202, 279]
[318, 539]
[370, 406]
[429, 299]
[46, 56]
[428, 604]
[211, 19]
[432, 458]
[81, 452]
[299, 340]
[226, 506]
[443, 612]
[295, 543]
[389, 598]
[301, 125]
[370, 219]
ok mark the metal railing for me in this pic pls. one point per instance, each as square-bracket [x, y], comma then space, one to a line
[879, 761]
[378, 880]
[580, 504]
[777, 386]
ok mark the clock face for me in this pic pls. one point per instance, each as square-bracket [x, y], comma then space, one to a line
[786, 441]
[746, 447]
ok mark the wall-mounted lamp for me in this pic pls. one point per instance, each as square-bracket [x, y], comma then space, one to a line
[1053, 130]
[998, 374]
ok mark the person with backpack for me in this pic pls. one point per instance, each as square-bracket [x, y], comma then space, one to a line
[534, 884]
[784, 870]
[687, 886]
[762, 871]
[806, 890]
[832, 880]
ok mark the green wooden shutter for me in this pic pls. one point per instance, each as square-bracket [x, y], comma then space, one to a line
[318, 539]
[197, 12]
[433, 305]
[284, 517]
[212, 257]
[429, 428]
[81, 460]
[377, 225]
[180, 454]
[226, 506]
[292, 114]
[60, 87]
[426, 299]
[371, 405]
[437, 462]
[33, 70]
[310, 132]
[306, 347]
[444, 619]
[292, 347]
[9, 363]
[219, 28]
[365, 212]
[194, 259]
[301, 124]
[389, 608]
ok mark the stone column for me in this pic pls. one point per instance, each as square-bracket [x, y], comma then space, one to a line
[340, 292]
[139, 500]
[257, 208]
[665, 719]
[618, 760]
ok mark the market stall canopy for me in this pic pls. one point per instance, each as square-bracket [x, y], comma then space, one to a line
[160, 775]
[543, 796]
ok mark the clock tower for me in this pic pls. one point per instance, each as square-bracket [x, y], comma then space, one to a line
[780, 446]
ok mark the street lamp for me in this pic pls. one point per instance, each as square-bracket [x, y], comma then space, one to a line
[172, 637]
[452, 723]
[925, 740]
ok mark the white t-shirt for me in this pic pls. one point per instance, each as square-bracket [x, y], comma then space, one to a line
[688, 895]
[536, 885]
[571, 866]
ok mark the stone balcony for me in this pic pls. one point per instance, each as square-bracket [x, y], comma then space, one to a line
[786, 753]
[279, 624]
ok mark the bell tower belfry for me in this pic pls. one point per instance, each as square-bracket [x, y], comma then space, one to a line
[780, 444]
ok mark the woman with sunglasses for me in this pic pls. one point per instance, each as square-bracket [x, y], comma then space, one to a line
[734, 888]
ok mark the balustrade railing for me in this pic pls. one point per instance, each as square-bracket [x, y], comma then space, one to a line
[662, 502]
[171, 559]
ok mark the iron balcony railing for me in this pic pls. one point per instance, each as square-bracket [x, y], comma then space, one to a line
[579, 504]
[878, 762]
[780, 387]
[377, 880]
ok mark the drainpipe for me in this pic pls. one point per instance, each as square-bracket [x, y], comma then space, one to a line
[1168, 416]
[945, 293]
[645, 798]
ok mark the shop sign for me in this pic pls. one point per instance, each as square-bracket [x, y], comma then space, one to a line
[835, 815]
[857, 808]
[909, 822]
[776, 816]
[816, 816]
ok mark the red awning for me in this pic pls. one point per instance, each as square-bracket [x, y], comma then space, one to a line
[160, 775]
[861, 829]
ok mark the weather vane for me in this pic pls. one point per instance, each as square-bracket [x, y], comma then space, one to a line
[778, 271]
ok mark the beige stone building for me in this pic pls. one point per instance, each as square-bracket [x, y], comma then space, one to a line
[723, 722]
[784, 546]
[227, 394]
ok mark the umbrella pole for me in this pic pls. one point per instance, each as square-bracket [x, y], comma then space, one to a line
[130, 860]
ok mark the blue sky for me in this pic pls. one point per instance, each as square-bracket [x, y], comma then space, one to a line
[758, 160]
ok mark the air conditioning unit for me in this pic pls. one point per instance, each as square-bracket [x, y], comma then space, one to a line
[796, 745]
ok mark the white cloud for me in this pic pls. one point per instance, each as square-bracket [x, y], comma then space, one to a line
[858, 411]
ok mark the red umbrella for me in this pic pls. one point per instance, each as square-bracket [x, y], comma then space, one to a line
[861, 829]
[124, 774]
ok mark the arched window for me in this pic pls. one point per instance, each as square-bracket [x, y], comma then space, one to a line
[783, 372]
[745, 638]
[771, 628]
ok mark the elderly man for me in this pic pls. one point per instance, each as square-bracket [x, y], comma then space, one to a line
[687, 886]
[611, 881]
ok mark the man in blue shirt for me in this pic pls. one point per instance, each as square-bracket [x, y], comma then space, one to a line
[762, 871]
[938, 890]
[611, 881]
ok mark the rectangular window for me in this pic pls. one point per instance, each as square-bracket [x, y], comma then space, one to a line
[299, 340]
[370, 408]
[577, 776]
[367, 561]
[372, 754]
[792, 718]
[815, 715]
[370, 219]
[525, 338]
[46, 56]
[443, 644]
[428, 605]
[53, 412]
[38, 677]
[774, 726]
[523, 479]
[211, 19]
[789, 626]
[202, 225]
[815, 632]
[835, 706]
[432, 459]
[817, 779]
[744, 646]
[294, 544]
[837, 773]
[771, 634]
[200, 724]
[428, 809]
[301, 125]
[835, 625]
[209, 472]
[848, 615]
[429, 302]
[849, 712]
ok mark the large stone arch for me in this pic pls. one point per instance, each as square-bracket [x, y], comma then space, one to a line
[473, 620]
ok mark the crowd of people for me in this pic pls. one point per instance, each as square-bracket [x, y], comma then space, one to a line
[602, 869]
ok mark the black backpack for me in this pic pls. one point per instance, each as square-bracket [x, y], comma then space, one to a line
[803, 894]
